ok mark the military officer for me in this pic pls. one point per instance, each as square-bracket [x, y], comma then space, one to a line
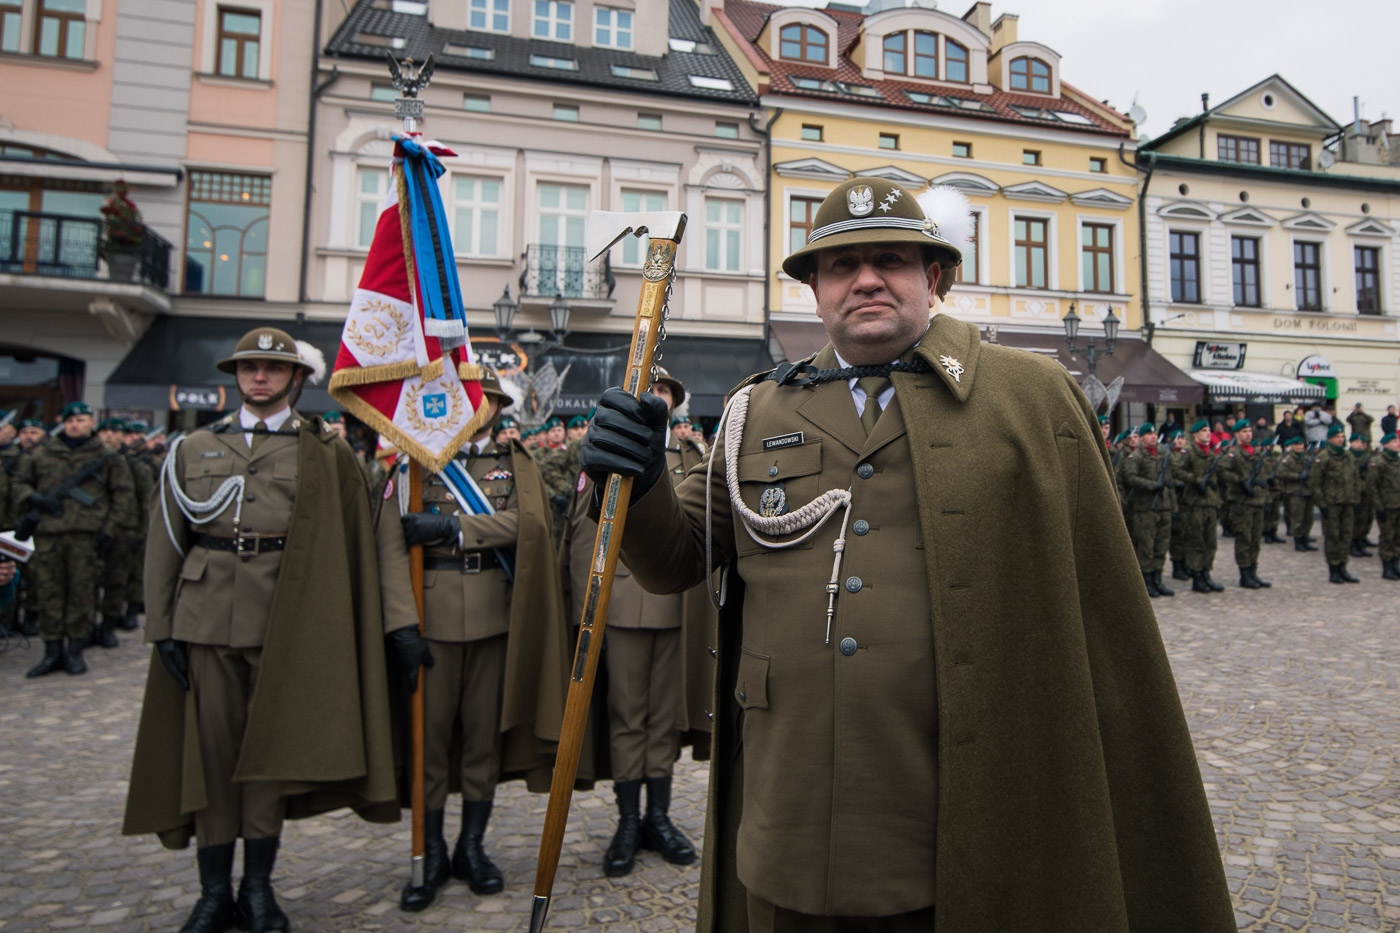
[31, 433]
[1365, 512]
[1384, 480]
[578, 427]
[659, 672]
[1242, 473]
[1336, 486]
[116, 569]
[493, 619]
[1149, 503]
[263, 605]
[1296, 495]
[1200, 507]
[143, 474]
[507, 430]
[883, 730]
[76, 497]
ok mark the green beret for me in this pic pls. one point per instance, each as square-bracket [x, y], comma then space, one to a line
[578, 421]
[1103, 419]
[1202, 425]
[1241, 425]
[1118, 438]
[1334, 429]
[31, 423]
[331, 417]
[680, 419]
[1176, 432]
[112, 424]
[1148, 428]
[1358, 437]
[553, 422]
[507, 422]
[1388, 438]
[1298, 439]
[76, 408]
[137, 427]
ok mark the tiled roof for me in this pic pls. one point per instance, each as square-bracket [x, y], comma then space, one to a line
[749, 18]
[511, 55]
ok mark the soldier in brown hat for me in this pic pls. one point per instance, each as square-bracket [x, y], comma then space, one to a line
[262, 602]
[902, 730]
[493, 617]
[658, 670]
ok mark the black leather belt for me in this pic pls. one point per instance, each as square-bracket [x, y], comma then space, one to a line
[470, 562]
[244, 546]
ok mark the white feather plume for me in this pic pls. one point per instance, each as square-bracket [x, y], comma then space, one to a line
[950, 209]
[313, 358]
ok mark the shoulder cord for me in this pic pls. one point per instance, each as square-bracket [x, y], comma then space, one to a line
[230, 492]
[811, 516]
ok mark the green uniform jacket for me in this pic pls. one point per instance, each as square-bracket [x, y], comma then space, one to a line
[143, 477]
[1140, 475]
[1291, 470]
[319, 720]
[1069, 794]
[1383, 481]
[1199, 490]
[51, 463]
[1335, 480]
[1237, 467]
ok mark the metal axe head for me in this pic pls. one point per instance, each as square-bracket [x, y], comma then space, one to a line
[604, 228]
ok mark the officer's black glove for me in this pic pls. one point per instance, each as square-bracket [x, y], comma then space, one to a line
[560, 502]
[408, 650]
[175, 659]
[25, 529]
[1380, 515]
[428, 528]
[1323, 510]
[44, 503]
[627, 437]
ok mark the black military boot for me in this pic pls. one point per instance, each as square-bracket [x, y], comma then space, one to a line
[1308, 543]
[1333, 574]
[622, 851]
[1254, 575]
[106, 632]
[1270, 536]
[1151, 585]
[1346, 577]
[28, 623]
[470, 863]
[1198, 582]
[1161, 587]
[1357, 550]
[132, 620]
[257, 907]
[1210, 582]
[73, 661]
[1299, 544]
[53, 659]
[214, 911]
[1391, 571]
[659, 834]
[1179, 571]
[437, 867]
[1247, 579]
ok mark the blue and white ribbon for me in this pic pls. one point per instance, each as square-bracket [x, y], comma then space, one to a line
[468, 493]
[432, 246]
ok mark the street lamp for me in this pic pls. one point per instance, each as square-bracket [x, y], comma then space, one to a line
[1091, 352]
[559, 317]
[505, 310]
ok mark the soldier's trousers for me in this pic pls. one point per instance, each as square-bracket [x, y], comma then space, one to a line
[1271, 515]
[135, 581]
[1337, 527]
[1249, 531]
[1151, 532]
[223, 680]
[1300, 516]
[66, 571]
[462, 697]
[1177, 548]
[115, 573]
[1365, 515]
[644, 675]
[1201, 536]
[1390, 535]
[767, 917]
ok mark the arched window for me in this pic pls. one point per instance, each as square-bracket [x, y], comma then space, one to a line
[895, 44]
[802, 43]
[1030, 74]
[957, 61]
[926, 54]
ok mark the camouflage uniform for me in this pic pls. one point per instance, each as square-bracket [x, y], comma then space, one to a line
[1149, 509]
[1337, 485]
[143, 475]
[67, 562]
[1365, 508]
[1244, 475]
[1383, 481]
[1178, 476]
[117, 562]
[1298, 496]
[1200, 505]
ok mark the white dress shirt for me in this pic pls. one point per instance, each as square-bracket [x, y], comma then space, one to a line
[250, 421]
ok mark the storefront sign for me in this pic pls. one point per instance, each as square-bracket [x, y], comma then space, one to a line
[1212, 354]
[1316, 366]
[199, 398]
[1369, 387]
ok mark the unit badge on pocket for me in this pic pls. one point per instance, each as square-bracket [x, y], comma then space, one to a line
[773, 501]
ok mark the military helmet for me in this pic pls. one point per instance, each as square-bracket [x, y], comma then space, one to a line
[671, 382]
[264, 343]
[872, 210]
[491, 385]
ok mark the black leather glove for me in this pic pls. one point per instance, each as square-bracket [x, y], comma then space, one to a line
[1323, 510]
[25, 530]
[44, 503]
[560, 502]
[627, 437]
[408, 650]
[175, 659]
[1380, 515]
[428, 528]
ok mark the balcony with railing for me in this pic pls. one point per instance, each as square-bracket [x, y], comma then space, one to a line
[565, 270]
[58, 246]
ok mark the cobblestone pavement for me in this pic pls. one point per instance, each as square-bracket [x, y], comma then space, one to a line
[1293, 696]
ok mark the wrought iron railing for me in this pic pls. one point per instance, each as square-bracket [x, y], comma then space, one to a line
[58, 245]
[565, 270]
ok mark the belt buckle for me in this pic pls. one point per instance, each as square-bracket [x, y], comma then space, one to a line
[246, 545]
[471, 562]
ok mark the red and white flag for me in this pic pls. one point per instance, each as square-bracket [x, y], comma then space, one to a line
[389, 373]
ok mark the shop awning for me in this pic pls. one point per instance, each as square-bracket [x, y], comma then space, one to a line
[1237, 385]
[172, 365]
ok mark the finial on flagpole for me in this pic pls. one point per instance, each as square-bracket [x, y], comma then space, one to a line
[409, 80]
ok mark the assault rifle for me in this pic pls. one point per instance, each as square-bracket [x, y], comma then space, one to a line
[68, 489]
[1210, 471]
[1162, 477]
[1307, 467]
[1248, 483]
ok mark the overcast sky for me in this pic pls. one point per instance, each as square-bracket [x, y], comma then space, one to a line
[1169, 53]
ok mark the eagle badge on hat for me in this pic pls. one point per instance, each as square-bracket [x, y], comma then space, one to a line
[861, 200]
[264, 341]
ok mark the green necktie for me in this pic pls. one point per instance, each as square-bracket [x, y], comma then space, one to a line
[872, 386]
[259, 435]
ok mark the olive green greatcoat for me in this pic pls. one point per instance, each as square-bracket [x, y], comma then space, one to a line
[319, 719]
[1069, 798]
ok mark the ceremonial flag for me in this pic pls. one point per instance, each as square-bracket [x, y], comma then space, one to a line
[405, 365]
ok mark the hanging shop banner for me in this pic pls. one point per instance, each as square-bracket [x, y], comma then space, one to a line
[1315, 366]
[1211, 354]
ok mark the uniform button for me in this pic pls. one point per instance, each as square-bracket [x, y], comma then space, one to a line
[772, 471]
[249, 498]
[865, 471]
[848, 646]
[252, 469]
[854, 584]
[861, 526]
[743, 696]
[712, 653]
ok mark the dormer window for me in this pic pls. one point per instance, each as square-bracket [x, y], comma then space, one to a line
[1030, 74]
[800, 42]
[957, 61]
[925, 54]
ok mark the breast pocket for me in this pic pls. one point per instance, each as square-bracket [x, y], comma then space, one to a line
[774, 483]
[203, 475]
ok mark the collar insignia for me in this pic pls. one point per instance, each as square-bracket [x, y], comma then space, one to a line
[952, 367]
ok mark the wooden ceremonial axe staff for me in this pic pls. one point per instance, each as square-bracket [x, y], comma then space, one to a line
[604, 228]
